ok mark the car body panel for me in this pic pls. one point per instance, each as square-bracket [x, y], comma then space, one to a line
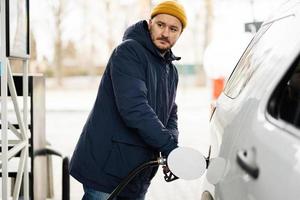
[241, 122]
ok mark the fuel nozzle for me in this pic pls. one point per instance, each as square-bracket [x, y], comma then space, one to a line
[183, 162]
[207, 159]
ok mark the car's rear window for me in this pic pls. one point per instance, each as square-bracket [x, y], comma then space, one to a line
[245, 68]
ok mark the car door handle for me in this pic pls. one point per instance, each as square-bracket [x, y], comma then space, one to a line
[246, 159]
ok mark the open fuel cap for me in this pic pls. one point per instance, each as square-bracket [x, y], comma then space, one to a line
[186, 163]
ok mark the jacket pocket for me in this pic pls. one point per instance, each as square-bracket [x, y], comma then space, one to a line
[125, 157]
[129, 137]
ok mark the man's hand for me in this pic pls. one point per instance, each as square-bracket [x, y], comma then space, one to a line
[165, 169]
[169, 176]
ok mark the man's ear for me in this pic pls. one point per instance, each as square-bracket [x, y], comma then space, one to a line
[149, 23]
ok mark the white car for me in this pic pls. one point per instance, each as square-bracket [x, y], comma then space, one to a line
[255, 126]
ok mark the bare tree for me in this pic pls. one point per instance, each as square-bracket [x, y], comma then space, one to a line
[89, 35]
[208, 23]
[70, 51]
[145, 7]
[33, 53]
[207, 36]
[109, 22]
[59, 12]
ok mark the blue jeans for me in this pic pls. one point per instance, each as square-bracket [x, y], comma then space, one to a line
[91, 194]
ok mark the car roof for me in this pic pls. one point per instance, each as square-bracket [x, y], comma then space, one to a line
[288, 8]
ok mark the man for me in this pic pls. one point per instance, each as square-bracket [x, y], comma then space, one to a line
[134, 116]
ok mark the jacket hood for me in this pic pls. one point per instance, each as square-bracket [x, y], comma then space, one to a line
[140, 33]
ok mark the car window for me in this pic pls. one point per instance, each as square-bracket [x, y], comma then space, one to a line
[285, 101]
[244, 69]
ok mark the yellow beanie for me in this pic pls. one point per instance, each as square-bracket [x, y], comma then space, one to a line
[171, 8]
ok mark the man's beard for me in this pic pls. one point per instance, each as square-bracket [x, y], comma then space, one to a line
[165, 39]
[163, 50]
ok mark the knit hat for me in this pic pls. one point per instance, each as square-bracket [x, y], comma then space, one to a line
[171, 8]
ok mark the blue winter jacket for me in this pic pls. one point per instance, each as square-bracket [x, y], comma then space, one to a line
[133, 119]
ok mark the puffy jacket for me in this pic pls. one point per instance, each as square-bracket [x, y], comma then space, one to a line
[133, 119]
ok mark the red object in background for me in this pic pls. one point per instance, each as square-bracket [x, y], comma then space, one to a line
[217, 87]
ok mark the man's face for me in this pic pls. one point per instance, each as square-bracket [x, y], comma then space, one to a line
[165, 31]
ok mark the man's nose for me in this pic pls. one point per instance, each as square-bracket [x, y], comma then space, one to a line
[166, 32]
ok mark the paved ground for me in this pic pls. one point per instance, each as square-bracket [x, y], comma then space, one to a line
[67, 110]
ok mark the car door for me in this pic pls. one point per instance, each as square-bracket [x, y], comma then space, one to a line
[260, 146]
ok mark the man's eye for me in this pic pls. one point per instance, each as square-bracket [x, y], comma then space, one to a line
[174, 29]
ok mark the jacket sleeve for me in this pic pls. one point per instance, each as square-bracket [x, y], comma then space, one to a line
[172, 122]
[128, 79]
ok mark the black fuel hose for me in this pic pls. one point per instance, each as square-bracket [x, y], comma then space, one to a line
[169, 176]
[132, 174]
